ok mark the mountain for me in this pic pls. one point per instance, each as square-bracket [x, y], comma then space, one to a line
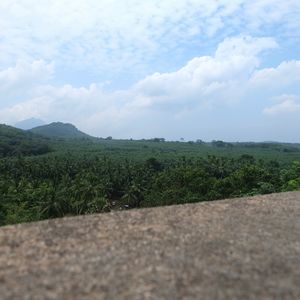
[29, 123]
[60, 130]
[14, 142]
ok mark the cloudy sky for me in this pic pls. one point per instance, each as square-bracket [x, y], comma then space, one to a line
[208, 69]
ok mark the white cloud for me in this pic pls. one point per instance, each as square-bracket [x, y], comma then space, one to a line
[165, 104]
[263, 13]
[288, 104]
[106, 33]
[124, 41]
[25, 75]
[113, 35]
[287, 73]
[206, 78]
[246, 46]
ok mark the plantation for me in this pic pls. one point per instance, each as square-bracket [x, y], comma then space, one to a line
[81, 176]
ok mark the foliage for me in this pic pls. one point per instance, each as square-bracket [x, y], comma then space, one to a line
[86, 176]
[14, 142]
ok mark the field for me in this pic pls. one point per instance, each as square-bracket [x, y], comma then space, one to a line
[89, 175]
[143, 149]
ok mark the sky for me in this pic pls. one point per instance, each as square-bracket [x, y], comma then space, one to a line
[193, 69]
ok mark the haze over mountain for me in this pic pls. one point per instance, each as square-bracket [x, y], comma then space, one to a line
[29, 123]
[59, 130]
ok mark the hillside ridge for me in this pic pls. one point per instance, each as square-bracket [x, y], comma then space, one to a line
[60, 130]
[15, 141]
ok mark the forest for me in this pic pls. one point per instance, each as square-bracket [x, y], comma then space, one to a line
[42, 178]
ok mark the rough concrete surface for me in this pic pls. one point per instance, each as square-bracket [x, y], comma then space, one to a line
[245, 248]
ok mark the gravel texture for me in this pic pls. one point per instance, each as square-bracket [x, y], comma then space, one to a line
[245, 248]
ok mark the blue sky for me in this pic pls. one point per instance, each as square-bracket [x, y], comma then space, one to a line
[218, 69]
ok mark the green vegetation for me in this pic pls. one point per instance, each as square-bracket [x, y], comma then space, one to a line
[81, 176]
[16, 142]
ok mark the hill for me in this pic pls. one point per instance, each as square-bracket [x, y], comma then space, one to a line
[15, 142]
[29, 123]
[60, 130]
